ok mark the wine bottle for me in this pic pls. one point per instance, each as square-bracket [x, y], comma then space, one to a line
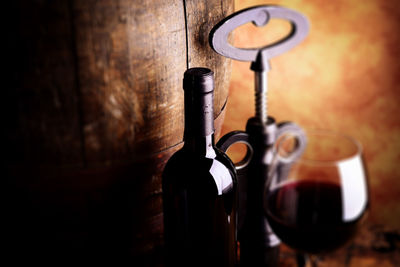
[199, 186]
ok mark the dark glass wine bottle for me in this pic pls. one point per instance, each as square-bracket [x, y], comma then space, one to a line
[199, 186]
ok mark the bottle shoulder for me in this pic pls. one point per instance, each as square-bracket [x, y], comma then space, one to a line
[200, 161]
[186, 170]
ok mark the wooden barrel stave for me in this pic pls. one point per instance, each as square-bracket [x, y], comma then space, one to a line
[95, 109]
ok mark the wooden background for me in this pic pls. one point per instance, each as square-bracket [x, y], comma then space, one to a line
[93, 104]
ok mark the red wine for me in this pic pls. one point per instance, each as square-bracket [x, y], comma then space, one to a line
[199, 185]
[308, 216]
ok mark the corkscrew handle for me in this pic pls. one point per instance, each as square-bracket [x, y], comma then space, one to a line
[237, 137]
[259, 16]
[252, 173]
[284, 129]
[284, 161]
[290, 130]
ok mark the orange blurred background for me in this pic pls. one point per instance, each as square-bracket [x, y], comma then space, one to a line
[345, 76]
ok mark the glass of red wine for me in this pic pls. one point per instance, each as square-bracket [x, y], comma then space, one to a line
[316, 202]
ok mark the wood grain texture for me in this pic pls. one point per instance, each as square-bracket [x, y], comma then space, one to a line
[201, 17]
[94, 105]
[131, 58]
[42, 116]
[111, 72]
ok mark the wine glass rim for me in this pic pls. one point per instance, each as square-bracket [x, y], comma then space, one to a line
[316, 131]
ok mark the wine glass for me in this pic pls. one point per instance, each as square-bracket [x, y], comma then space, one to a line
[315, 202]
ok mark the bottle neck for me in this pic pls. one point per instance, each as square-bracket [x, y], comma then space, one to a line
[199, 123]
[201, 146]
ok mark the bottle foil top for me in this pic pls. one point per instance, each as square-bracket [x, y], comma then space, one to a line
[200, 80]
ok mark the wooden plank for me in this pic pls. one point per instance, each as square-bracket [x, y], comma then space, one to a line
[42, 126]
[99, 82]
[131, 60]
[95, 105]
[201, 17]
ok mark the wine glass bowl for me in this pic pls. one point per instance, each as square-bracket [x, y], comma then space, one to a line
[315, 202]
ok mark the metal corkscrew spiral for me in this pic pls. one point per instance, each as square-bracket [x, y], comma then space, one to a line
[261, 96]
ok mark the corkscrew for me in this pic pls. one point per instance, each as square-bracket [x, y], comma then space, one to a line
[262, 132]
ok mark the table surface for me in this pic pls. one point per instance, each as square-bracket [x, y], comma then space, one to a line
[374, 245]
